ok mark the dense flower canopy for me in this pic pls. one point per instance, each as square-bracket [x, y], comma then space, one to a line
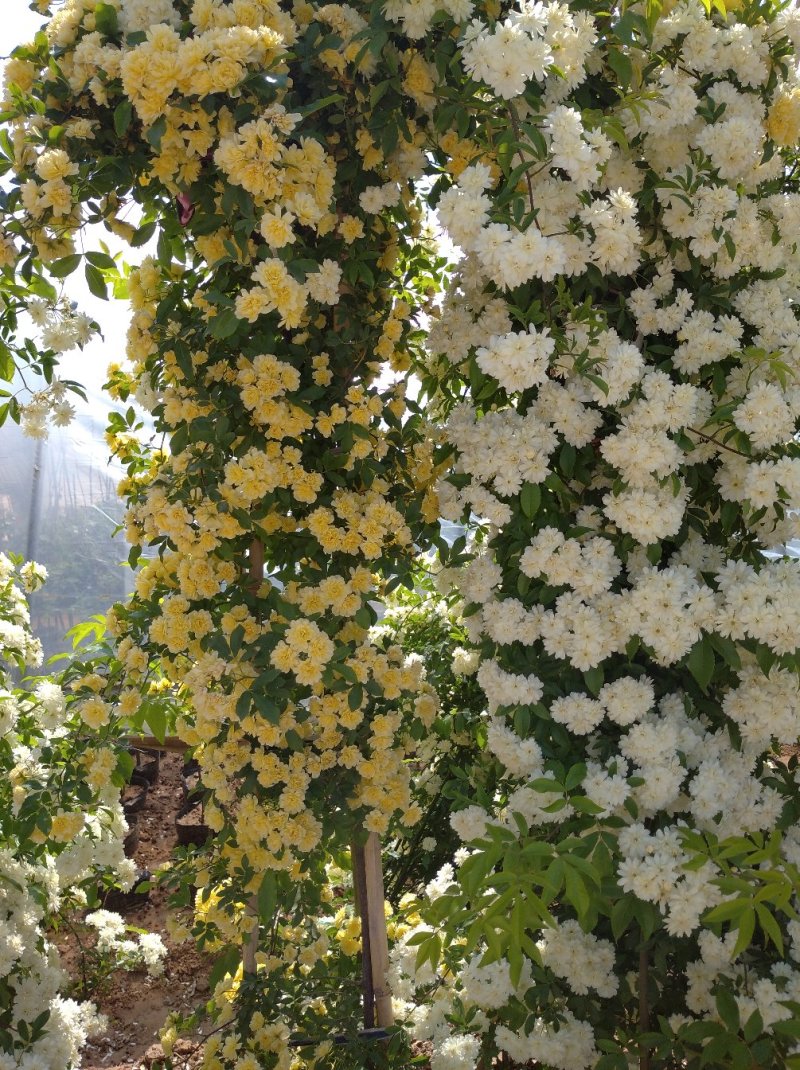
[608, 402]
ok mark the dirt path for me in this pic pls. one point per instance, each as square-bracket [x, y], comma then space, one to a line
[137, 1005]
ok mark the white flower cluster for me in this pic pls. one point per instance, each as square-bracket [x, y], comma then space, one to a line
[501, 451]
[465, 662]
[765, 994]
[508, 689]
[466, 318]
[45, 408]
[517, 360]
[16, 640]
[137, 15]
[524, 46]
[579, 958]
[425, 1006]
[569, 1045]
[62, 329]
[762, 605]
[589, 568]
[147, 951]
[416, 18]
[38, 879]
[30, 972]
[569, 236]
[488, 987]
[652, 867]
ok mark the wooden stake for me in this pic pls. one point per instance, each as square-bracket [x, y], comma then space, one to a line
[170, 743]
[644, 1005]
[358, 865]
[378, 937]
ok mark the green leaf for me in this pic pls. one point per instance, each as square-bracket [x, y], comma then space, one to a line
[621, 916]
[156, 720]
[105, 20]
[728, 1009]
[164, 249]
[770, 926]
[101, 260]
[125, 764]
[788, 1028]
[530, 498]
[726, 911]
[267, 896]
[575, 776]
[726, 648]
[143, 234]
[356, 697]
[576, 891]
[266, 706]
[620, 63]
[594, 680]
[64, 266]
[123, 114]
[96, 282]
[156, 132]
[6, 363]
[652, 13]
[318, 105]
[747, 924]
[227, 963]
[701, 663]
[224, 324]
[566, 459]
[753, 1027]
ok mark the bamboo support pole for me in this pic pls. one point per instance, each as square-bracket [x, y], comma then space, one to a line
[250, 944]
[357, 860]
[170, 743]
[378, 937]
[644, 1005]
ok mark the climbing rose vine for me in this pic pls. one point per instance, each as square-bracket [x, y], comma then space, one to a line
[616, 360]
[611, 383]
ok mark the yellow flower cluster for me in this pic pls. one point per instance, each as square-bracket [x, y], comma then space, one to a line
[180, 628]
[264, 1038]
[348, 935]
[65, 826]
[212, 61]
[204, 577]
[269, 837]
[305, 650]
[132, 657]
[346, 24]
[369, 523]
[8, 251]
[783, 118]
[100, 763]
[277, 290]
[94, 712]
[461, 152]
[210, 911]
[53, 193]
[343, 595]
[262, 380]
[260, 472]
[194, 532]
[419, 80]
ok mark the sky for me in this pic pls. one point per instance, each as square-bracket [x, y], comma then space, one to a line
[20, 22]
